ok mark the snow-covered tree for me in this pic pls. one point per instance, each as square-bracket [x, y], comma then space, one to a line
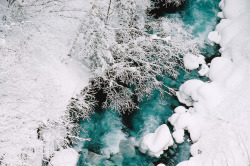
[126, 60]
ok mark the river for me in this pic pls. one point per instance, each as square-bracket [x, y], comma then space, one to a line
[115, 138]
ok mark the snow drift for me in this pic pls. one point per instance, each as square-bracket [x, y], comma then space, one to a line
[37, 78]
[218, 117]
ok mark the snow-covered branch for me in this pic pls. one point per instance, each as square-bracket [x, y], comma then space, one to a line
[125, 59]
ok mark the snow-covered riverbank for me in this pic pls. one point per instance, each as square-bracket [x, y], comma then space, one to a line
[37, 77]
[218, 117]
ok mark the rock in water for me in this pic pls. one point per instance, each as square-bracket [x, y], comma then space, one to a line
[155, 143]
[127, 148]
[94, 159]
[117, 159]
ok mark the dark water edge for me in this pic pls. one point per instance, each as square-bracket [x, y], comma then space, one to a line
[106, 126]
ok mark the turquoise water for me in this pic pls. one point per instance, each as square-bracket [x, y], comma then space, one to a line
[114, 139]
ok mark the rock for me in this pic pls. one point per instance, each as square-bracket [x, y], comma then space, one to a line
[171, 152]
[117, 159]
[174, 146]
[151, 164]
[127, 148]
[155, 143]
[108, 163]
[94, 159]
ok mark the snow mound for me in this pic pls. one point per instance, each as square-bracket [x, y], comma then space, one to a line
[192, 62]
[186, 120]
[65, 157]
[214, 36]
[188, 92]
[179, 136]
[155, 143]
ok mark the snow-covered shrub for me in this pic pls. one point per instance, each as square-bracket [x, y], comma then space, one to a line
[126, 59]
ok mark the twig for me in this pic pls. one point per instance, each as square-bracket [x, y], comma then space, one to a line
[108, 10]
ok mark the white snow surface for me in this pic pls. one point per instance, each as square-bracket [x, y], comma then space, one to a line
[65, 157]
[37, 78]
[214, 36]
[155, 143]
[161, 164]
[218, 118]
[179, 135]
[192, 62]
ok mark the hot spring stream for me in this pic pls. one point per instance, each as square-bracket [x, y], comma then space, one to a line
[115, 138]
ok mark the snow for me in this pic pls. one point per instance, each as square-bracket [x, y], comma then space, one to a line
[188, 92]
[155, 37]
[161, 164]
[234, 8]
[155, 143]
[192, 62]
[220, 15]
[204, 70]
[179, 136]
[37, 79]
[214, 36]
[2, 42]
[65, 157]
[218, 117]
[220, 69]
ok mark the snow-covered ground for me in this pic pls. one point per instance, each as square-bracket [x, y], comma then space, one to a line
[37, 77]
[218, 117]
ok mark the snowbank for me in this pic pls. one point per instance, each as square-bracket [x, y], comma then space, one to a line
[155, 143]
[37, 78]
[65, 157]
[218, 118]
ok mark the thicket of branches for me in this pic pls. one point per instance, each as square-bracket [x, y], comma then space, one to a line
[128, 53]
[167, 2]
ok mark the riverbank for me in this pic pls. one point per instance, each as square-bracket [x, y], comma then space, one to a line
[37, 77]
[219, 111]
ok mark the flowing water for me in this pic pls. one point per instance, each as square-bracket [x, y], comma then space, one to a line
[115, 139]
